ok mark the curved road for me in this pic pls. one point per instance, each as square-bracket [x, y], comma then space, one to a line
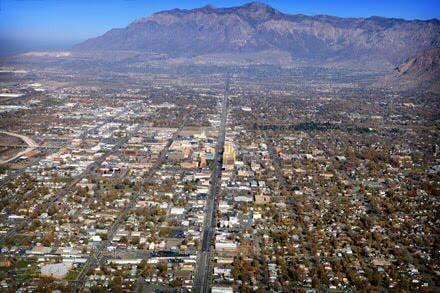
[29, 141]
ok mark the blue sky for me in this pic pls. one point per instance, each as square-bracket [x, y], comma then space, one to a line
[60, 23]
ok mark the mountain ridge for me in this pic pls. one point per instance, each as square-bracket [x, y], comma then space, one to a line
[255, 27]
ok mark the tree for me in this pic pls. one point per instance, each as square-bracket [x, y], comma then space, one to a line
[116, 284]
[147, 269]
[163, 268]
[376, 278]
[177, 283]
[48, 239]
[315, 282]
[245, 208]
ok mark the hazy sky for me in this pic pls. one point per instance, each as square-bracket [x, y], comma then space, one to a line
[43, 24]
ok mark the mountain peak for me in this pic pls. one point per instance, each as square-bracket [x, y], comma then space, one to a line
[256, 12]
[208, 7]
[257, 5]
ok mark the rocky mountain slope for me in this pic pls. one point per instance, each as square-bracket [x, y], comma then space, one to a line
[257, 27]
[424, 65]
[422, 70]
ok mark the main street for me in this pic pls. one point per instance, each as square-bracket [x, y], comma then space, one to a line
[202, 276]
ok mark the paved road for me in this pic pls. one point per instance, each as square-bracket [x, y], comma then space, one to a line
[21, 145]
[96, 257]
[202, 275]
[29, 141]
[275, 161]
[277, 164]
[145, 254]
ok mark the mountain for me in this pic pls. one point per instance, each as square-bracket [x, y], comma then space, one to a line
[424, 65]
[422, 70]
[256, 27]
